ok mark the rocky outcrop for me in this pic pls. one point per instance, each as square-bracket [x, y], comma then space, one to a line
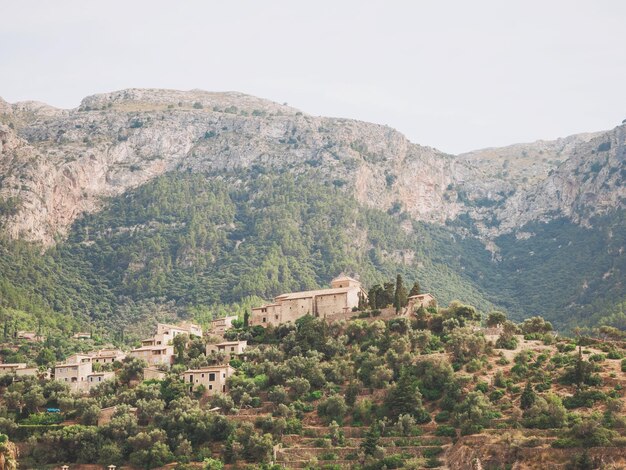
[57, 164]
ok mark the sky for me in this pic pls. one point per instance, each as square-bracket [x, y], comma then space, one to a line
[455, 75]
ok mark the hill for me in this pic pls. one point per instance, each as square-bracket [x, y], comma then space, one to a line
[161, 202]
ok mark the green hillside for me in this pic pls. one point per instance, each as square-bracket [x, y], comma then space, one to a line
[191, 244]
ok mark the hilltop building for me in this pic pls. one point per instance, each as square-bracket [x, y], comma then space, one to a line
[212, 377]
[342, 296]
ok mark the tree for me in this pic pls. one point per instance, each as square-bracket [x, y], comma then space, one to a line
[546, 412]
[528, 397]
[132, 369]
[507, 339]
[372, 438]
[466, 344]
[333, 408]
[400, 295]
[212, 464]
[416, 289]
[474, 413]
[404, 398]
[536, 325]
[246, 319]
[495, 318]
[180, 345]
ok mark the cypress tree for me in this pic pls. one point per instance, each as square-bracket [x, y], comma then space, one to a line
[528, 397]
[400, 297]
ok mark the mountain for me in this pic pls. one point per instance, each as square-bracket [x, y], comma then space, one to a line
[144, 201]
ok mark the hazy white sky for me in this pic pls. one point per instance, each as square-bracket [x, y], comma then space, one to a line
[456, 75]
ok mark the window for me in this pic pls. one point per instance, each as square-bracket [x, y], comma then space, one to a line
[232, 348]
[202, 375]
[264, 319]
[210, 387]
[211, 377]
[191, 378]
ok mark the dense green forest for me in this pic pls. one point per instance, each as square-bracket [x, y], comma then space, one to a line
[191, 244]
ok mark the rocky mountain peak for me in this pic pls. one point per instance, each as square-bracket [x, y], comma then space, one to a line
[59, 164]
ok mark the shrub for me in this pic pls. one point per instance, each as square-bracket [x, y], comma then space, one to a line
[446, 431]
[334, 408]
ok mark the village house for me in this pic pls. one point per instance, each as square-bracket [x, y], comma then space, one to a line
[421, 300]
[155, 355]
[159, 349]
[77, 372]
[82, 335]
[220, 325]
[19, 369]
[30, 336]
[213, 378]
[107, 356]
[343, 295]
[229, 348]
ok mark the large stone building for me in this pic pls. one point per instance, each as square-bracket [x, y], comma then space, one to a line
[342, 296]
[213, 378]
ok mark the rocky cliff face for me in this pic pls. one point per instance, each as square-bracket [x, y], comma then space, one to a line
[57, 164]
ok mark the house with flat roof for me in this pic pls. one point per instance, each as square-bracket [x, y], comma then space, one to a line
[343, 295]
[213, 378]
[230, 348]
[155, 355]
[77, 372]
[220, 325]
[30, 336]
[82, 335]
[107, 356]
[10, 368]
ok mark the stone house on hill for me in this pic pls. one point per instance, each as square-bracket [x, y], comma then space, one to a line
[159, 349]
[213, 378]
[342, 296]
[421, 300]
[230, 348]
[220, 325]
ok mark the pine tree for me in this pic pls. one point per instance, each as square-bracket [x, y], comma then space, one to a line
[528, 397]
[372, 438]
[416, 289]
[400, 297]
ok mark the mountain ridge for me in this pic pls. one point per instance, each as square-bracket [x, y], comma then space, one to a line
[493, 228]
[279, 134]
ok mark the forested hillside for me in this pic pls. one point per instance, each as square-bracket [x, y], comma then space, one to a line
[187, 243]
